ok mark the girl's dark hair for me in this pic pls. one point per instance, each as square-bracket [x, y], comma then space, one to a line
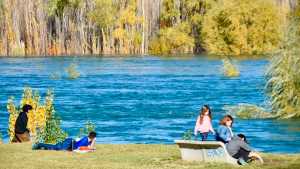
[225, 119]
[203, 110]
[26, 108]
[92, 134]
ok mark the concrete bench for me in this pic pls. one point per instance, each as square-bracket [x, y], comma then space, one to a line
[206, 151]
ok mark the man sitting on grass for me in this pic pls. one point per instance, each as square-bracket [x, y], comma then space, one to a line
[85, 143]
[239, 149]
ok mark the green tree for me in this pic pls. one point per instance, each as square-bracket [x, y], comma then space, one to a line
[283, 75]
[242, 27]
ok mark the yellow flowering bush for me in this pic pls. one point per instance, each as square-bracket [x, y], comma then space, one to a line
[37, 117]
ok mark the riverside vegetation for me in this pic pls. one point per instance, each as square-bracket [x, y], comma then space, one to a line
[282, 79]
[223, 27]
[283, 75]
[43, 123]
[85, 27]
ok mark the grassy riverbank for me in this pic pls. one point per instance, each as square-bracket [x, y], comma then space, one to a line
[135, 156]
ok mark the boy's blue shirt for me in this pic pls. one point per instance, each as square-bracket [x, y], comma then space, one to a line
[82, 142]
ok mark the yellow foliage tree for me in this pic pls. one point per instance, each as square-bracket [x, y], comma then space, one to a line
[242, 27]
[120, 25]
[173, 40]
[37, 117]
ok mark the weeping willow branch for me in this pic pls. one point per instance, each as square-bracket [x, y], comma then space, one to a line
[283, 75]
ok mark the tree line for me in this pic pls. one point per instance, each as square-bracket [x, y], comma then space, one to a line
[85, 27]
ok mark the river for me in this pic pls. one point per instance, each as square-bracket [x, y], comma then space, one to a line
[146, 99]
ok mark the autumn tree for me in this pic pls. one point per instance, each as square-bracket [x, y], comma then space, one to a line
[242, 27]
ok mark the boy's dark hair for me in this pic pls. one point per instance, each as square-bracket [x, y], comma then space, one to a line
[243, 137]
[92, 134]
[26, 108]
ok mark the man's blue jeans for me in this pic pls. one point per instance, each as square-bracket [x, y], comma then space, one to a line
[67, 144]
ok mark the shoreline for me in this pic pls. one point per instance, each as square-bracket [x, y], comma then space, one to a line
[180, 56]
[5, 142]
[135, 156]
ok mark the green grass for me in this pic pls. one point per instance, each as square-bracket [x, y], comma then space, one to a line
[135, 156]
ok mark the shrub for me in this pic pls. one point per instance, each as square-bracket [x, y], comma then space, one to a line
[52, 133]
[229, 69]
[187, 135]
[72, 71]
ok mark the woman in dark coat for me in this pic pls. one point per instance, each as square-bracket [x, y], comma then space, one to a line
[21, 131]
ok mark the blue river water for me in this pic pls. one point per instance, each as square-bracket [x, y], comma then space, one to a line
[146, 99]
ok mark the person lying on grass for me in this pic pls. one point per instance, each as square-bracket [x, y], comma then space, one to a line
[239, 149]
[85, 143]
